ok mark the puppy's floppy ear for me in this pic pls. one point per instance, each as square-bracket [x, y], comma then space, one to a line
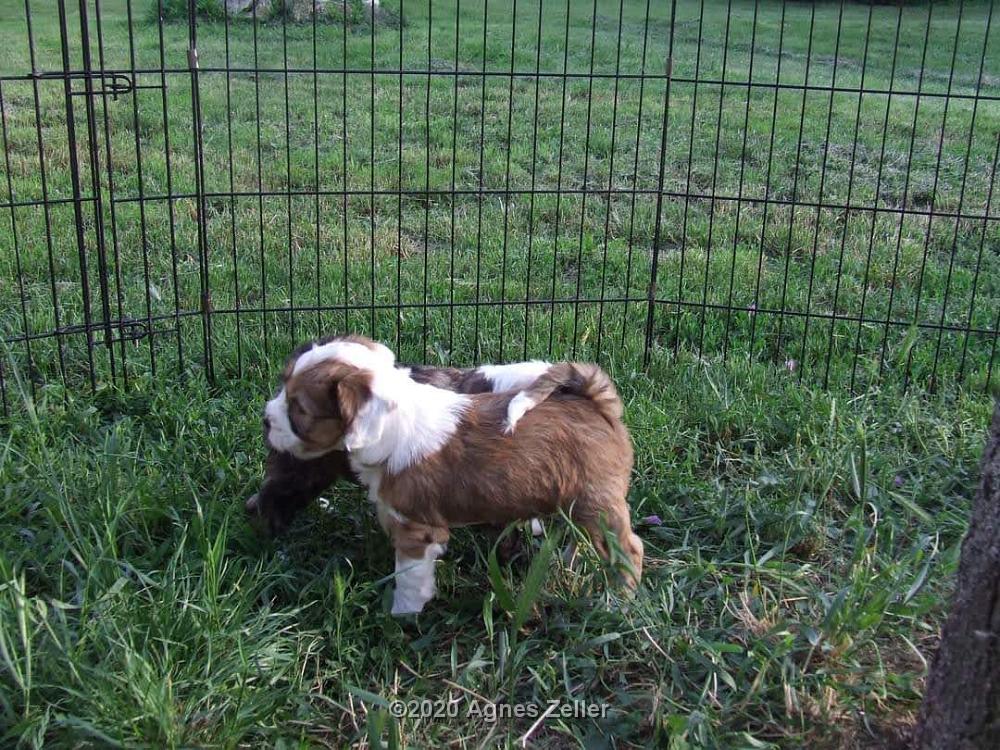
[362, 410]
[351, 394]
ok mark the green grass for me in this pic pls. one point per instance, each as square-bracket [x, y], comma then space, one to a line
[794, 588]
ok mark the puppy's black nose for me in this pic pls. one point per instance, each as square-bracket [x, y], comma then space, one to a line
[267, 424]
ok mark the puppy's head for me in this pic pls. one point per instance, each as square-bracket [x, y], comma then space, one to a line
[330, 399]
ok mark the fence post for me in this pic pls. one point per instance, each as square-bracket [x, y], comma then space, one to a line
[74, 170]
[199, 175]
[95, 182]
[651, 295]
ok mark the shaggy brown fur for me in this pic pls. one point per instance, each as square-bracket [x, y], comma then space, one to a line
[570, 452]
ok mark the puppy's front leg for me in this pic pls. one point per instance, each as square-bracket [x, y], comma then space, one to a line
[414, 580]
[417, 547]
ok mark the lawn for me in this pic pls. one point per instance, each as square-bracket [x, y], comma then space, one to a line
[800, 538]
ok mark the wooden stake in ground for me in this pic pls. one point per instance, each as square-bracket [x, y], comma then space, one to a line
[961, 708]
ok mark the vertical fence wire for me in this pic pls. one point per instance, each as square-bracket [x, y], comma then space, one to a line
[18, 267]
[586, 175]
[316, 182]
[847, 213]
[979, 265]
[171, 206]
[78, 201]
[46, 206]
[234, 251]
[201, 219]
[739, 189]
[635, 177]
[110, 187]
[874, 213]
[97, 194]
[506, 179]
[399, 200]
[140, 184]
[559, 181]
[961, 195]
[611, 175]
[371, 172]
[715, 176]
[687, 181]
[934, 188]
[658, 220]
[906, 190]
[427, 174]
[772, 131]
[454, 185]
[533, 183]
[795, 184]
[822, 179]
[344, 183]
[288, 179]
[477, 349]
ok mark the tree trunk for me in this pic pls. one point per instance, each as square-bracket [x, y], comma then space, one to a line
[961, 707]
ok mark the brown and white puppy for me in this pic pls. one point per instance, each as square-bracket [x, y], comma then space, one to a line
[291, 483]
[433, 459]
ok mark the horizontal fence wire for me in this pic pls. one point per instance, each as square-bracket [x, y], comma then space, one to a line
[191, 188]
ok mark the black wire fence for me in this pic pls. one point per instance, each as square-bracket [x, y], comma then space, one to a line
[199, 185]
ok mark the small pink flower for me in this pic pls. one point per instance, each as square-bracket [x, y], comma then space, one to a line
[652, 521]
[898, 481]
[791, 365]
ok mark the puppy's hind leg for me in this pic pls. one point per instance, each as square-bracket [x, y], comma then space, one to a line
[615, 518]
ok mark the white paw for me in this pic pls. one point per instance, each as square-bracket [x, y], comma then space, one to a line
[402, 605]
[415, 581]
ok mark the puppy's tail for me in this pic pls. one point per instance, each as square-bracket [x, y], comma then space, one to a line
[584, 380]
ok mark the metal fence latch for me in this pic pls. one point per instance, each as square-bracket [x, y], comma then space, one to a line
[111, 84]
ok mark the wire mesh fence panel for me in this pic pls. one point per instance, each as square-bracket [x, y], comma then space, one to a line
[195, 186]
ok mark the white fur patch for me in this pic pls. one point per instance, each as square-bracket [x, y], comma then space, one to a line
[280, 434]
[415, 581]
[348, 352]
[520, 405]
[515, 376]
[423, 420]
